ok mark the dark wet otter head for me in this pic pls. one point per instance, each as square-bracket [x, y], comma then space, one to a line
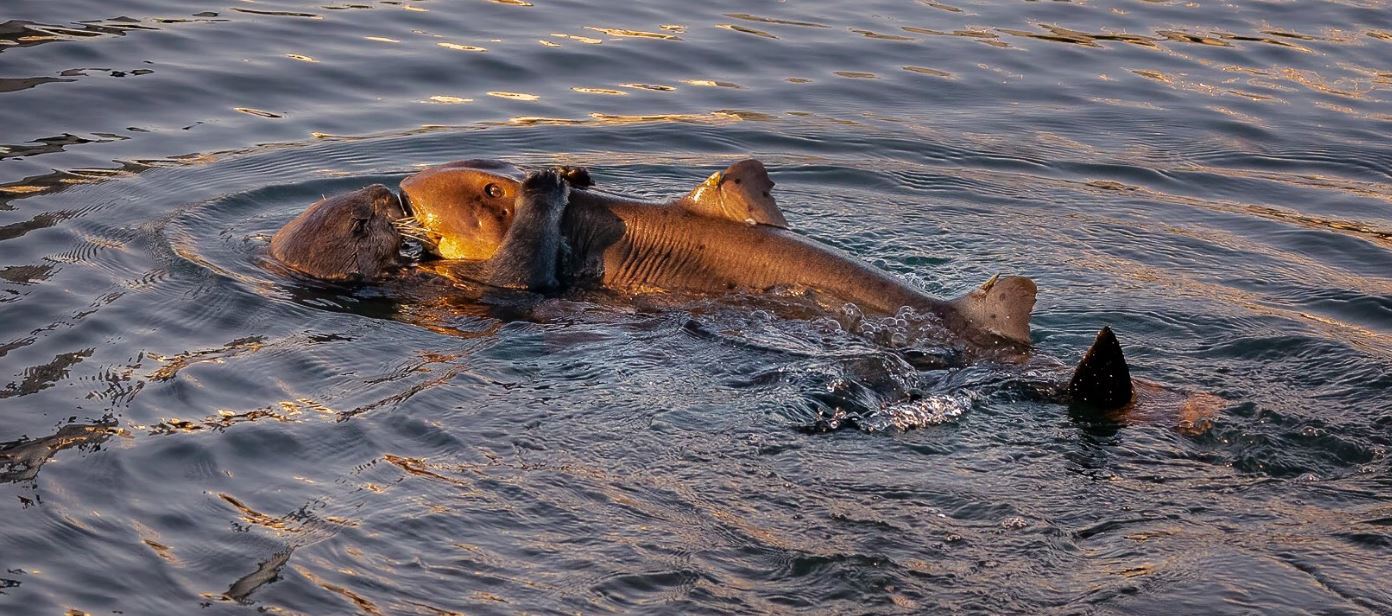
[344, 237]
[464, 208]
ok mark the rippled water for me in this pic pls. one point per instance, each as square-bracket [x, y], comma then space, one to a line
[182, 427]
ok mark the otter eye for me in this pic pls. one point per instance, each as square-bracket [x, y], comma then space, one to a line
[492, 190]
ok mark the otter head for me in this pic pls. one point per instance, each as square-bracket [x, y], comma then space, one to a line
[463, 209]
[344, 237]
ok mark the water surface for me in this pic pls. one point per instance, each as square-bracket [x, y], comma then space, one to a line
[182, 428]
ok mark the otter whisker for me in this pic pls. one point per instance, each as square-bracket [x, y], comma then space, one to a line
[411, 228]
[416, 232]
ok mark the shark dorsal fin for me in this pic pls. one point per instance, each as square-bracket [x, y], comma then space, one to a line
[1102, 379]
[740, 193]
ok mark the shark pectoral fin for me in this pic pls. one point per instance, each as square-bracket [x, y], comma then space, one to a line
[1102, 381]
[1000, 306]
[742, 192]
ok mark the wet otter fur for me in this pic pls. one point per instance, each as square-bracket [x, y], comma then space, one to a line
[344, 238]
[357, 236]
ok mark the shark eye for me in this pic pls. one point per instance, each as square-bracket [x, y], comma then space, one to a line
[493, 191]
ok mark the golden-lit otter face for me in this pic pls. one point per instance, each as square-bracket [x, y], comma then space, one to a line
[464, 208]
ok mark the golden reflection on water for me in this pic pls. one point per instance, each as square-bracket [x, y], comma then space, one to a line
[576, 37]
[174, 364]
[21, 461]
[771, 20]
[519, 96]
[541, 121]
[617, 119]
[419, 468]
[261, 113]
[448, 100]
[709, 83]
[21, 189]
[1186, 37]
[923, 70]
[623, 33]
[275, 13]
[881, 36]
[976, 34]
[459, 47]
[746, 30]
[940, 6]
[163, 551]
[253, 517]
[603, 91]
[648, 86]
[360, 601]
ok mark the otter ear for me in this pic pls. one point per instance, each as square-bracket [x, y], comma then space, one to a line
[740, 192]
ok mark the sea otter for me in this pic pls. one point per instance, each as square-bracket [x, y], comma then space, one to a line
[354, 236]
[343, 238]
[725, 235]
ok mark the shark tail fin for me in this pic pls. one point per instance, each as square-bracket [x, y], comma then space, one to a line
[1001, 306]
[1102, 379]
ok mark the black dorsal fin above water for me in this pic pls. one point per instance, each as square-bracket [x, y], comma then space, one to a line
[1102, 380]
[741, 193]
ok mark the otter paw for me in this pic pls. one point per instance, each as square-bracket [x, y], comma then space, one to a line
[578, 177]
[547, 185]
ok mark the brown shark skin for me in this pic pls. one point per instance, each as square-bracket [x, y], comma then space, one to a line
[636, 246]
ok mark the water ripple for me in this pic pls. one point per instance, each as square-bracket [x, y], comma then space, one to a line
[1211, 180]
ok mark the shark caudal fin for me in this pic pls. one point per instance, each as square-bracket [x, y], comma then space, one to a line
[1001, 306]
[1102, 380]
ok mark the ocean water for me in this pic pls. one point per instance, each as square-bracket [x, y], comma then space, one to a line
[185, 430]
